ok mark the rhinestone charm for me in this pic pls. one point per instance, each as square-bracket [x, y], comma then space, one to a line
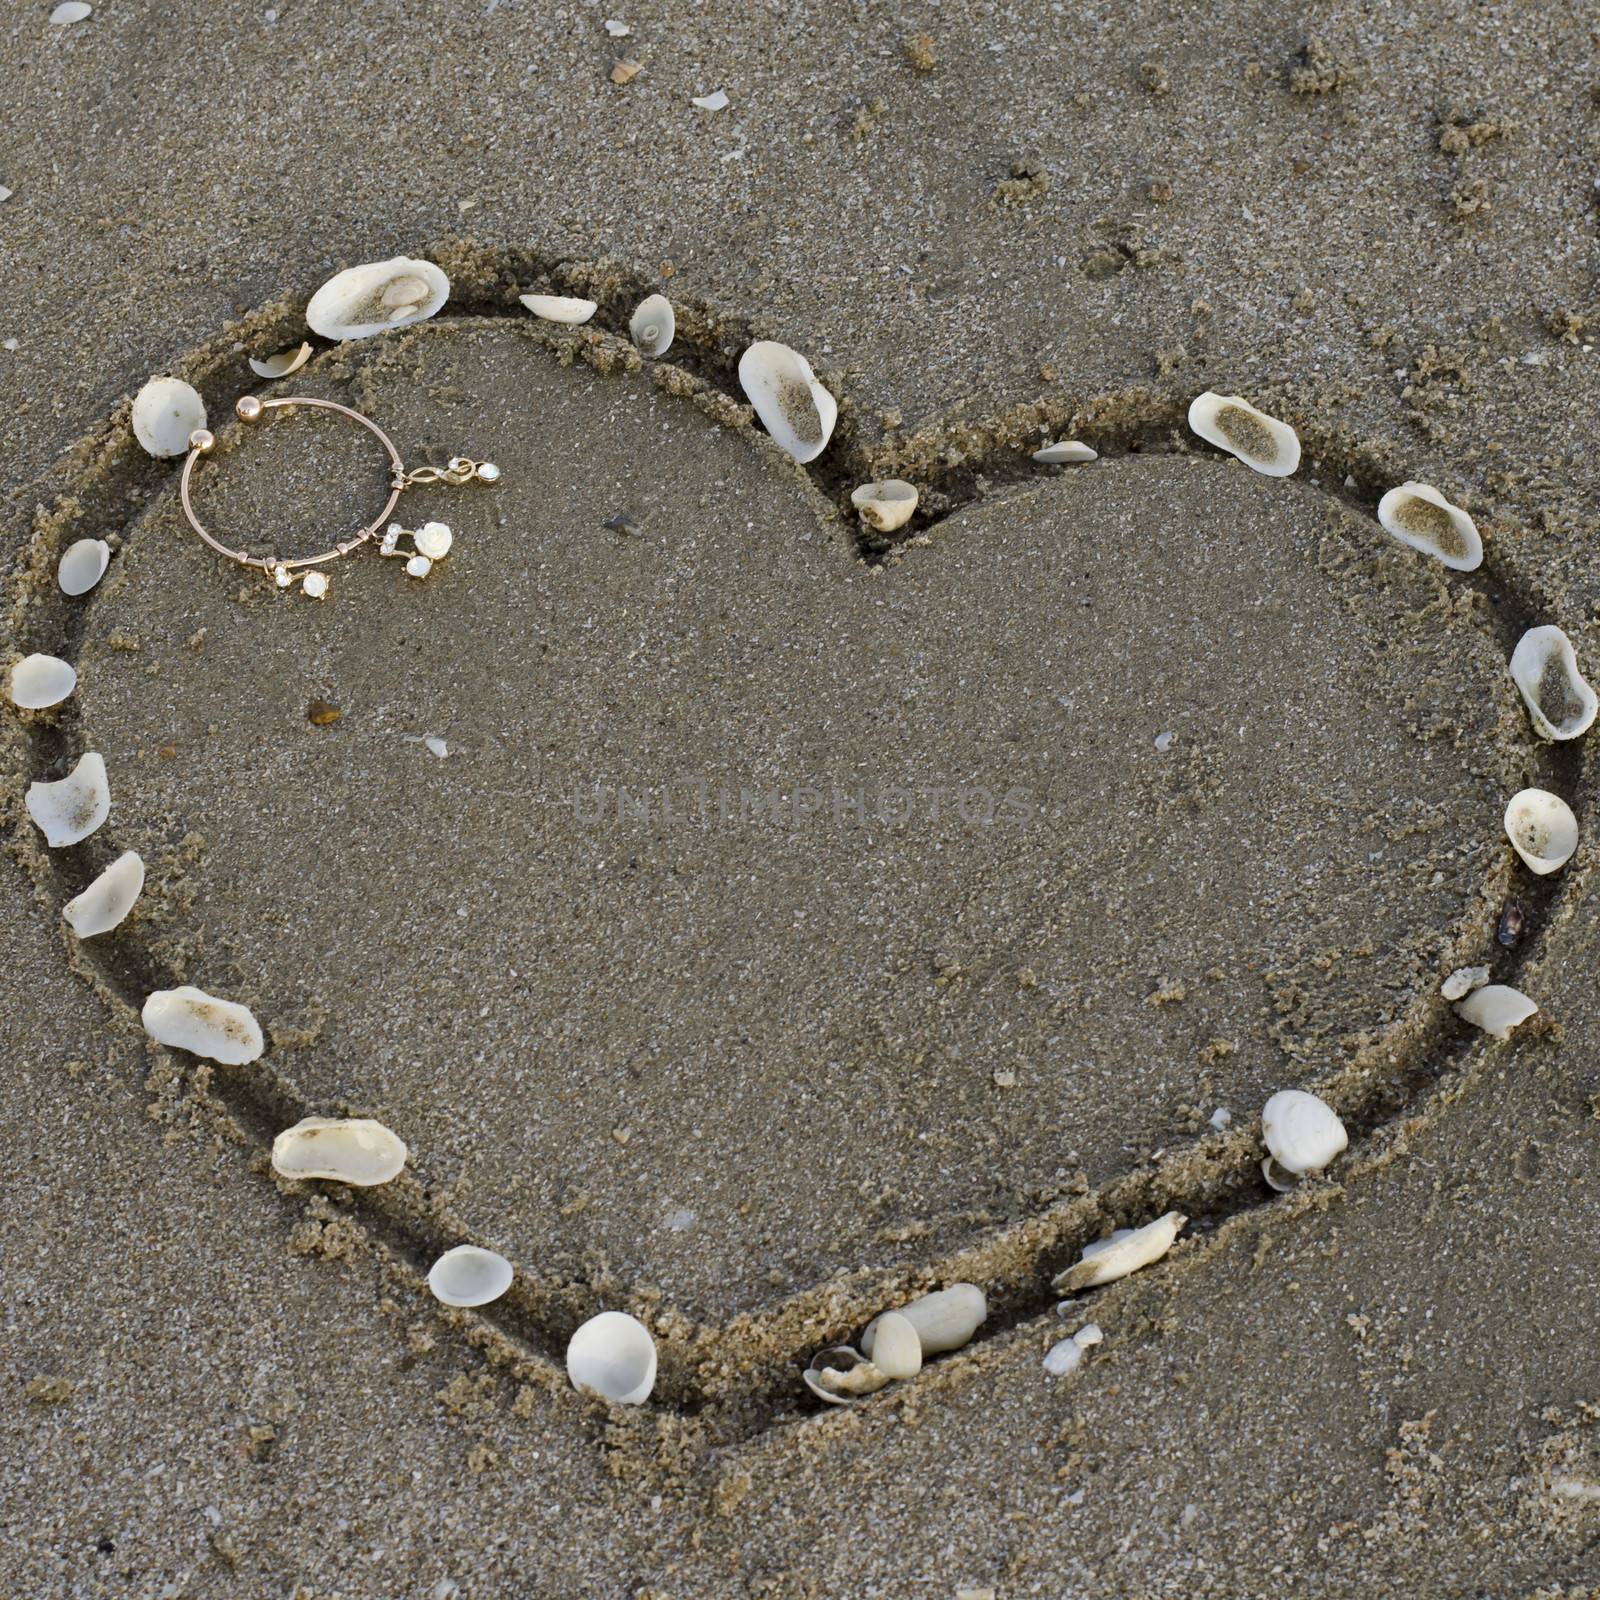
[315, 584]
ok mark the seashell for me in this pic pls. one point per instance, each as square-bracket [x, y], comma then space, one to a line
[67, 812]
[795, 409]
[886, 504]
[1302, 1133]
[943, 1321]
[1497, 1009]
[70, 11]
[1067, 1355]
[1544, 668]
[612, 1355]
[717, 100]
[1463, 981]
[433, 539]
[896, 1346]
[1418, 515]
[1232, 424]
[108, 899]
[653, 325]
[285, 362]
[842, 1376]
[165, 412]
[559, 307]
[362, 301]
[1542, 830]
[189, 1019]
[40, 681]
[353, 1150]
[83, 565]
[1123, 1252]
[472, 1276]
[1068, 450]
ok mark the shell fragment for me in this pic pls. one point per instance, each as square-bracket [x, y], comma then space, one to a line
[1125, 1251]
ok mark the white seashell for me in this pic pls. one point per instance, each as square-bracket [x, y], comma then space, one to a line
[433, 539]
[354, 1150]
[943, 1321]
[370, 299]
[108, 899]
[70, 11]
[717, 100]
[1125, 1251]
[1418, 515]
[653, 325]
[1463, 981]
[1089, 1334]
[617, 30]
[1542, 830]
[613, 1355]
[67, 812]
[896, 1346]
[1302, 1133]
[1497, 1009]
[40, 681]
[559, 307]
[1063, 1357]
[282, 364]
[843, 1376]
[165, 412]
[189, 1019]
[83, 565]
[1220, 1118]
[795, 409]
[471, 1276]
[886, 504]
[1232, 424]
[1544, 668]
[1054, 455]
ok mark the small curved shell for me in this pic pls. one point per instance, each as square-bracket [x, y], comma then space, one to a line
[1302, 1133]
[67, 812]
[843, 1376]
[1544, 667]
[83, 565]
[1125, 1251]
[1067, 1355]
[165, 412]
[613, 1355]
[1068, 450]
[1542, 830]
[40, 681]
[896, 1346]
[469, 1275]
[376, 296]
[282, 364]
[1419, 516]
[1463, 981]
[653, 325]
[104, 904]
[794, 408]
[944, 1320]
[189, 1019]
[1497, 1009]
[886, 504]
[559, 308]
[353, 1150]
[1232, 424]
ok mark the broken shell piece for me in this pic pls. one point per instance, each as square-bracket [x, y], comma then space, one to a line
[842, 1376]
[83, 565]
[285, 362]
[1232, 424]
[1542, 830]
[40, 681]
[945, 1320]
[1497, 1009]
[68, 12]
[613, 1355]
[376, 296]
[189, 1019]
[470, 1276]
[886, 504]
[108, 899]
[1123, 1252]
[1068, 450]
[1463, 981]
[1544, 668]
[1419, 516]
[559, 307]
[794, 408]
[165, 412]
[896, 1346]
[1067, 1355]
[353, 1150]
[653, 325]
[717, 100]
[1302, 1133]
[67, 812]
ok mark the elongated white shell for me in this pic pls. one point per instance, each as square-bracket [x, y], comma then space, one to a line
[1125, 1251]
[896, 1346]
[354, 1150]
[68, 811]
[559, 307]
[282, 364]
[83, 565]
[165, 412]
[1418, 515]
[1542, 830]
[1068, 450]
[189, 1019]
[108, 899]
[40, 681]
[376, 296]
[469, 1275]
[653, 325]
[794, 408]
[613, 1355]
[1302, 1132]
[1496, 1009]
[944, 1320]
[1544, 667]
[1232, 424]
[886, 504]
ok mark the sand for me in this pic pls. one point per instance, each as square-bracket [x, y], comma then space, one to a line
[795, 921]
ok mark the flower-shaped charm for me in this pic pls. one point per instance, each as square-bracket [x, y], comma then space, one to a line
[429, 543]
